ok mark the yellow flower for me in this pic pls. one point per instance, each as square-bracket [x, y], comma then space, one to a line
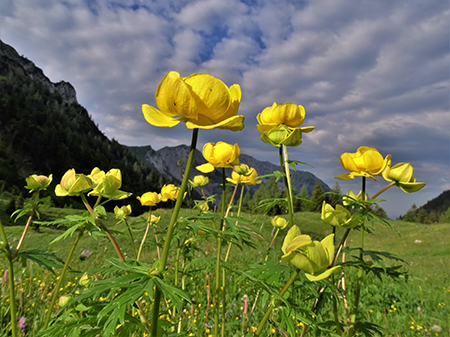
[122, 212]
[169, 192]
[219, 154]
[366, 162]
[339, 217]
[73, 184]
[36, 183]
[199, 181]
[199, 100]
[279, 124]
[402, 176]
[108, 184]
[244, 175]
[313, 257]
[279, 222]
[154, 219]
[149, 199]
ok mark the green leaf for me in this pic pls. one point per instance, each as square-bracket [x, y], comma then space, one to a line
[43, 258]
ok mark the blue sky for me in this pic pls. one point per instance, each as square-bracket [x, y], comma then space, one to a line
[369, 73]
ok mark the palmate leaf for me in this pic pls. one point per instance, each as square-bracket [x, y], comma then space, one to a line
[43, 258]
[292, 163]
[277, 174]
[271, 203]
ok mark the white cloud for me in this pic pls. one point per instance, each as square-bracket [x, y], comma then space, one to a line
[366, 72]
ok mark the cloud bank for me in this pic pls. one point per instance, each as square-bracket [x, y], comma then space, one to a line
[368, 73]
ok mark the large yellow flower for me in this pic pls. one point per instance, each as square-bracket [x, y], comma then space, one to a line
[199, 100]
[279, 124]
[366, 162]
[150, 199]
[219, 154]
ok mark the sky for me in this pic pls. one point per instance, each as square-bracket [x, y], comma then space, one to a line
[368, 73]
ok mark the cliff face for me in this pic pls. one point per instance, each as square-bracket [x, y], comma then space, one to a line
[28, 68]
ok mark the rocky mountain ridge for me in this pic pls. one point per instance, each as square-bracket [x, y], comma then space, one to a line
[28, 68]
[170, 162]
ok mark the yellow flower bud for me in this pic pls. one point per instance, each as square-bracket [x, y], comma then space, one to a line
[64, 300]
[339, 217]
[281, 223]
[245, 175]
[108, 184]
[37, 183]
[122, 212]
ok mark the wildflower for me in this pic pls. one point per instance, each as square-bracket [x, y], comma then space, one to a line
[219, 154]
[22, 323]
[199, 181]
[278, 124]
[313, 257]
[108, 184]
[149, 199]
[37, 183]
[366, 162]
[244, 174]
[169, 192]
[339, 217]
[279, 222]
[73, 184]
[122, 212]
[401, 175]
[199, 100]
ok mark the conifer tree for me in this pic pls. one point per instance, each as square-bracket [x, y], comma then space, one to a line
[317, 197]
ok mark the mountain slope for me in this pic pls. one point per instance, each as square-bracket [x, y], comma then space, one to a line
[44, 130]
[167, 162]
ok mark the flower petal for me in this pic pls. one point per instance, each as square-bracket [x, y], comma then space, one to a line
[324, 275]
[157, 118]
[175, 98]
[205, 168]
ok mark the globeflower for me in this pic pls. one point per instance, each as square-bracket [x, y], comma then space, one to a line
[339, 217]
[244, 174]
[279, 123]
[108, 184]
[199, 100]
[366, 162]
[73, 184]
[313, 257]
[279, 222]
[122, 212]
[37, 183]
[219, 154]
[199, 181]
[149, 199]
[401, 175]
[169, 192]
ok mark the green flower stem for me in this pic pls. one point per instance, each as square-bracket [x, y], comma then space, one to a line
[287, 182]
[170, 230]
[33, 211]
[354, 312]
[382, 190]
[335, 311]
[61, 277]
[11, 286]
[272, 243]
[219, 251]
[133, 247]
[270, 309]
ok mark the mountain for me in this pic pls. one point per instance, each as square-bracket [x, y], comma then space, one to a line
[44, 130]
[439, 204]
[169, 161]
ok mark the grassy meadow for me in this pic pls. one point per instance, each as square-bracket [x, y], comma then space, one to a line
[416, 306]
